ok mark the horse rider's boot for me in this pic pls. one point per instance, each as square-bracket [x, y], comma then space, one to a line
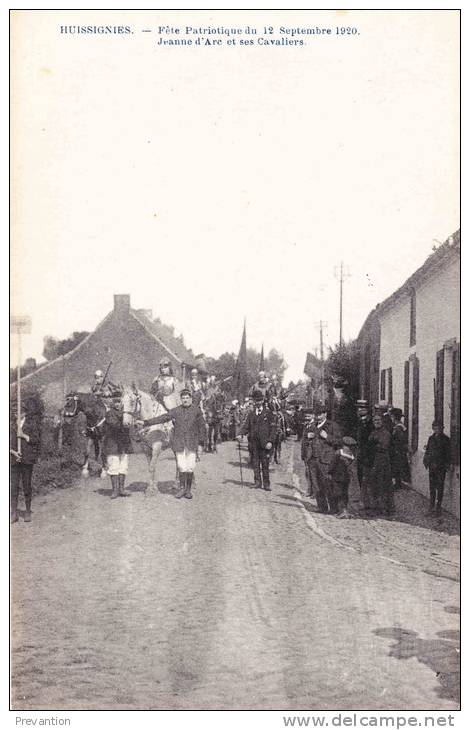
[122, 491]
[115, 485]
[182, 490]
[189, 481]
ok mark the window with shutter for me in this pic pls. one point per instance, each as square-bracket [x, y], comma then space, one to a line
[412, 318]
[439, 388]
[455, 406]
[415, 406]
[390, 386]
[382, 385]
[406, 393]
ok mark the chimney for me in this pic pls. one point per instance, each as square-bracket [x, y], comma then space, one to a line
[147, 313]
[122, 304]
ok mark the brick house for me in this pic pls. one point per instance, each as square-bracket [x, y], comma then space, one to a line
[410, 358]
[130, 338]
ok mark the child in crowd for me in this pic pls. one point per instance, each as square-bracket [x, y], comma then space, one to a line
[339, 472]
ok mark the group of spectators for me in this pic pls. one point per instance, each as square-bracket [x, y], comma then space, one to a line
[380, 451]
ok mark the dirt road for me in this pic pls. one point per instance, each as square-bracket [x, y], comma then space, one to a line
[238, 599]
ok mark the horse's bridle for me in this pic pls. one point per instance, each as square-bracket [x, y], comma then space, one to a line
[137, 405]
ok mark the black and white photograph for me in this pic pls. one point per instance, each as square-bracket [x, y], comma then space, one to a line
[235, 400]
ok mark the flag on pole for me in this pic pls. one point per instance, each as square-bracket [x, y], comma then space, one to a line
[241, 372]
[261, 359]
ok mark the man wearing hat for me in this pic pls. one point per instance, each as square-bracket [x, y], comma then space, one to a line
[260, 427]
[363, 454]
[325, 438]
[188, 438]
[399, 450]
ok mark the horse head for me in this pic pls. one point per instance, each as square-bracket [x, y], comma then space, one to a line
[72, 405]
[131, 404]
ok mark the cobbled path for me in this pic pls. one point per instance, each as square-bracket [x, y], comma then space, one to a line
[238, 599]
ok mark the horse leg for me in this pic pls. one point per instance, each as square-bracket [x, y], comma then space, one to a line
[102, 459]
[156, 451]
[210, 432]
[86, 464]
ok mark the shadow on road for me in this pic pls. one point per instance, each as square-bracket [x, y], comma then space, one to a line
[137, 487]
[104, 492]
[440, 655]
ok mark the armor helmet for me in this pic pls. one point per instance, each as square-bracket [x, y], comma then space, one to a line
[99, 374]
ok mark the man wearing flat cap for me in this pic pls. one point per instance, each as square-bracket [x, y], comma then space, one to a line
[188, 438]
[260, 426]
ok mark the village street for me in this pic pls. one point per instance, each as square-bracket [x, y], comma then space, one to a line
[238, 599]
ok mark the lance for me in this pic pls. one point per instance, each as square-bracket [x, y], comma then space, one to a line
[106, 373]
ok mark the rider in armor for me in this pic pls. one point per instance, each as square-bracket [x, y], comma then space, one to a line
[196, 387]
[165, 387]
[262, 385]
[99, 387]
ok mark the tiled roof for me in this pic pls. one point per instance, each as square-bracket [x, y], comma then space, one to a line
[161, 333]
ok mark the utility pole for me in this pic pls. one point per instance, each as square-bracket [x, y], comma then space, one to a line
[321, 326]
[19, 326]
[341, 273]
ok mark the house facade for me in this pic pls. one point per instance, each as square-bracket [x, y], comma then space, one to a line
[410, 358]
[130, 339]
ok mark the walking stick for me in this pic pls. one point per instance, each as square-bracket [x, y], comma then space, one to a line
[240, 459]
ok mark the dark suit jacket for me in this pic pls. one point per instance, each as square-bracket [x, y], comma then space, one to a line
[116, 438]
[260, 429]
[190, 427]
[323, 449]
[29, 449]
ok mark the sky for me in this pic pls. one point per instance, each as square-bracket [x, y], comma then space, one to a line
[213, 184]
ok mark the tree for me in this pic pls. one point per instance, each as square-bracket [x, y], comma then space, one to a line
[342, 371]
[54, 348]
[275, 364]
[27, 367]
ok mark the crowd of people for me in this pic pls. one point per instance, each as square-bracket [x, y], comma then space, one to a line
[199, 417]
[380, 451]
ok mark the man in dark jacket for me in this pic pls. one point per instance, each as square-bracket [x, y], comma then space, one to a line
[188, 438]
[116, 447]
[260, 426]
[325, 439]
[25, 445]
[437, 458]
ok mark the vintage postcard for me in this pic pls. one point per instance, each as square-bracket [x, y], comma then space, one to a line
[235, 363]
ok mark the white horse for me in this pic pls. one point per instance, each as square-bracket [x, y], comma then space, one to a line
[141, 406]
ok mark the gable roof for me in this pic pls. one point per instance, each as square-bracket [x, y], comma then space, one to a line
[447, 251]
[160, 333]
[443, 253]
